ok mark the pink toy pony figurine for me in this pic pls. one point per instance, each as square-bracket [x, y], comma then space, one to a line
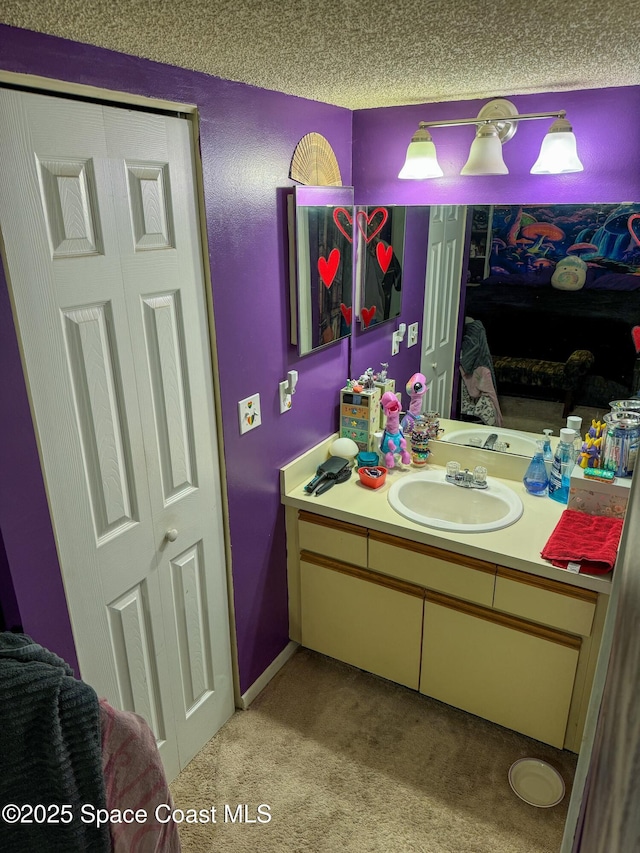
[416, 388]
[393, 441]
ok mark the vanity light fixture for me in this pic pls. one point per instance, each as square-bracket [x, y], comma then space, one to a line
[496, 124]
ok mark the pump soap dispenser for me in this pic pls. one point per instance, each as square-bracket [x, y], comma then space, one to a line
[535, 480]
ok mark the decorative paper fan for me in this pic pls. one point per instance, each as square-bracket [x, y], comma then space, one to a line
[314, 162]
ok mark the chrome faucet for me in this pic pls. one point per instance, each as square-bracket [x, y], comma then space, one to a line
[476, 479]
[490, 442]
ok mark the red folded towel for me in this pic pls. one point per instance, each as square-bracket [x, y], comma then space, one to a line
[590, 540]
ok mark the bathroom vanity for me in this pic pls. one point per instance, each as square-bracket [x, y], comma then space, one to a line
[476, 620]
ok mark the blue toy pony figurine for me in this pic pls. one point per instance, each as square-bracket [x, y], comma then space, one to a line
[416, 388]
[393, 440]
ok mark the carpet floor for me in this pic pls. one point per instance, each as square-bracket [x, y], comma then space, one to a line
[535, 415]
[350, 763]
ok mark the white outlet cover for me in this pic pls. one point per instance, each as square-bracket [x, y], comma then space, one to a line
[249, 415]
[284, 397]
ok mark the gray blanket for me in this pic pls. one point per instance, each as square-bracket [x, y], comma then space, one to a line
[50, 752]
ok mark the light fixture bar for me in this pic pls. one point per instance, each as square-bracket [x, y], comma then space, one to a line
[524, 117]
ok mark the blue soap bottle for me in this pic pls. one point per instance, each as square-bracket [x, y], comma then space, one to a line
[535, 480]
[563, 462]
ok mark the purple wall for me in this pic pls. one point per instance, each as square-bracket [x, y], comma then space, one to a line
[247, 138]
[605, 121]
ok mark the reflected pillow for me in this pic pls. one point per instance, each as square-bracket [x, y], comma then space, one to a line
[570, 274]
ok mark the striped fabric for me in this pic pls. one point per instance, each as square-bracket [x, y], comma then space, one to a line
[50, 752]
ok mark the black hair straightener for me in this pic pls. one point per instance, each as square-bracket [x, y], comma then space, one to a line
[334, 470]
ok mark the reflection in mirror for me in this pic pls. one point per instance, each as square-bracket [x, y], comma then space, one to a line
[513, 254]
[380, 255]
[321, 265]
[560, 299]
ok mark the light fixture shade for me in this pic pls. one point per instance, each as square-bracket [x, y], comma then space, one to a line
[558, 152]
[485, 155]
[421, 161]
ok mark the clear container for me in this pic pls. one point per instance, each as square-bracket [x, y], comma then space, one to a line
[535, 480]
[419, 441]
[621, 442]
[562, 466]
[631, 405]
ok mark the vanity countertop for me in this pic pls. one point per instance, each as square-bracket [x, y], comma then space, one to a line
[517, 546]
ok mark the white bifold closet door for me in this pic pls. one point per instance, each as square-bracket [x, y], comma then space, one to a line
[99, 217]
[445, 250]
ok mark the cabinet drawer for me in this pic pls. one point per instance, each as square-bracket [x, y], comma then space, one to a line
[505, 670]
[546, 601]
[374, 626]
[452, 574]
[337, 539]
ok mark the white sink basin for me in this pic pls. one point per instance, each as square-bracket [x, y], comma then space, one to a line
[427, 498]
[513, 441]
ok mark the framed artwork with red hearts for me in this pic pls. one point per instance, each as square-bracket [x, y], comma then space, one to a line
[321, 235]
[379, 233]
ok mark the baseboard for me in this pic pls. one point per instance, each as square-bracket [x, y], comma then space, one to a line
[260, 683]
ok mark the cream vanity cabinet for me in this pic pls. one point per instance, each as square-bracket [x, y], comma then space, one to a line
[508, 646]
[369, 620]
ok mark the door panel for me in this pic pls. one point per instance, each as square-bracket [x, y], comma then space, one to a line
[447, 226]
[100, 223]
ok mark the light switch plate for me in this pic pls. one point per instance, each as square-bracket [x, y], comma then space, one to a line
[412, 335]
[249, 415]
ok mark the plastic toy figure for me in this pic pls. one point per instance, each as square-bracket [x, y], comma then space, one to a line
[393, 441]
[416, 388]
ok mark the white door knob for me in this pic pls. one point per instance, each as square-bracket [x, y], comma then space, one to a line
[434, 365]
[171, 534]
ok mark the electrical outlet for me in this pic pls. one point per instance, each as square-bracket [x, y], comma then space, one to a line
[284, 396]
[412, 335]
[249, 415]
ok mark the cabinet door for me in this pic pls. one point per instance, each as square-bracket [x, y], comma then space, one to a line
[503, 669]
[357, 617]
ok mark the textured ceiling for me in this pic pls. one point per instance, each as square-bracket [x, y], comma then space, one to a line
[360, 55]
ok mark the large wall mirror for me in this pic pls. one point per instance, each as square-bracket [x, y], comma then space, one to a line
[549, 281]
[380, 233]
[321, 265]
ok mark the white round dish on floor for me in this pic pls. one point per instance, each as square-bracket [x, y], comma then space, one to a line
[536, 782]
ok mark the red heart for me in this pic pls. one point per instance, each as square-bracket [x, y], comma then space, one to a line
[328, 267]
[366, 225]
[367, 315]
[383, 254]
[345, 227]
[346, 313]
[635, 334]
[630, 222]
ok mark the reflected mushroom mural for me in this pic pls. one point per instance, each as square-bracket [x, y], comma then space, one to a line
[544, 233]
[531, 241]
